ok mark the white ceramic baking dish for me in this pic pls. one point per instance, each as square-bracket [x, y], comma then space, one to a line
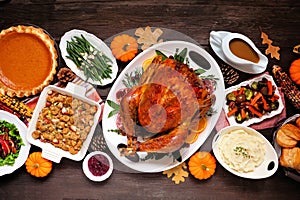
[49, 151]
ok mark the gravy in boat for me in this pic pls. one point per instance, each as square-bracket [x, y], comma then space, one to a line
[243, 50]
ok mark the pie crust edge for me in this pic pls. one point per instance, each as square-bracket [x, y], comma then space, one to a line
[50, 45]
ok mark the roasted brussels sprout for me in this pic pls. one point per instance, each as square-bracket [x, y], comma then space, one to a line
[231, 96]
[249, 94]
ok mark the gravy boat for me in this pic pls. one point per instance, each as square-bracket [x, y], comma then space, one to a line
[220, 43]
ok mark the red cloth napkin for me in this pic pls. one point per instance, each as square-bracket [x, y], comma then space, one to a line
[267, 123]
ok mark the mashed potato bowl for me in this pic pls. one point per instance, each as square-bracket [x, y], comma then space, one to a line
[245, 152]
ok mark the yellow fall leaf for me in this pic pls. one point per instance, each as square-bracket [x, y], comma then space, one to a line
[147, 37]
[179, 173]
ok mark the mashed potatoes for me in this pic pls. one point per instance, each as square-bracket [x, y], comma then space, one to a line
[242, 151]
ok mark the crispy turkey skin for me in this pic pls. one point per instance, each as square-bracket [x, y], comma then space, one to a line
[158, 113]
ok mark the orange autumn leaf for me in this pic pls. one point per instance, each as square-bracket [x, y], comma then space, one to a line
[265, 38]
[272, 50]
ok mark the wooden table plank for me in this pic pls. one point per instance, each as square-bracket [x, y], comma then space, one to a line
[279, 19]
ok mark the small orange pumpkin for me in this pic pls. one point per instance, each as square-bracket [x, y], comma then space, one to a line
[124, 47]
[202, 165]
[38, 166]
[295, 71]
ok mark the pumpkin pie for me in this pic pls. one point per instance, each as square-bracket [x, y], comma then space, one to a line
[27, 60]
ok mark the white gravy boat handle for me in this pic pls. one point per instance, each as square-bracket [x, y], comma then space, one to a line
[216, 36]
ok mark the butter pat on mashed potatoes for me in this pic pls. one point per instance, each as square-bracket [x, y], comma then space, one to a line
[241, 151]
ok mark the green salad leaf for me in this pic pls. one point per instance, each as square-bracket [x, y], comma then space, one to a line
[13, 134]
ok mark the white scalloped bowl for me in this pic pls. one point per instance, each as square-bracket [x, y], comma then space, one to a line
[266, 169]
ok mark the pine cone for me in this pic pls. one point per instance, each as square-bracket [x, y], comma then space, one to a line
[65, 75]
[229, 74]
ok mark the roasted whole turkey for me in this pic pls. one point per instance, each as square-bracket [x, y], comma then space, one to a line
[158, 114]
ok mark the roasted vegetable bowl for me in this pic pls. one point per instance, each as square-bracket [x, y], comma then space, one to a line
[252, 101]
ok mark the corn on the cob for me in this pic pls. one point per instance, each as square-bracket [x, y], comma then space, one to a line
[288, 87]
[16, 105]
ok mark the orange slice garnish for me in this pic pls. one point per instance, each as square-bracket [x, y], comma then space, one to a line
[194, 134]
[147, 62]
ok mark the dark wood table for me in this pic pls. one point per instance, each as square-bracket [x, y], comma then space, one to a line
[279, 19]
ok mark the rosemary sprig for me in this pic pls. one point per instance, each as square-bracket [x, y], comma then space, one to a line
[132, 79]
[94, 63]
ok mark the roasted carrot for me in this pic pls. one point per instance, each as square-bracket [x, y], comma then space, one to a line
[270, 88]
[243, 113]
[241, 90]
[274, 98]
[232, 111]
[256, 98]
[255, 112]
[256, 106]
[265, 104]
[235, 93]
